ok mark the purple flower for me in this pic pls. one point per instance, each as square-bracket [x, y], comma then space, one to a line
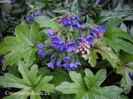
[50, 65]
[58, 64]
[2, 61]
[78, 63]
[102, 28]
[67, 59]
[36, 14]
[40, 46]
[75, 19]
[66, 66]
[41, 53]
[11, 2]
[50, 32]
[53, 57]
[55, 39]
[75, 26]
[71, 47]
[66, 21]
[94, 31]
[10, 21]
[74, 23]
[79, 40]
[83, 26]
[57, 43]
[73, 66]
[82, 13]
[29, 17]
[90, 39]
[98, 1]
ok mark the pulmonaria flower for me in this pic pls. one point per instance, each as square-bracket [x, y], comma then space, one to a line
[11, 2]
[58, 64]
[40, 46]
[83, 26]
[67, 59]
[66, 21]
[60, 21]
[71, 47]
[53, 57]
[82, 13]
[75, 23]
[2, 61]
[97, 1]
[71, 66]
[36, 14]
[50, 65]
[99, 32]
[50, 32]
[57, 43]
[89, 39]
[74, 66]
[66, 66]
[41, 53]
[100, 35]
[29, 17]
[84, 46]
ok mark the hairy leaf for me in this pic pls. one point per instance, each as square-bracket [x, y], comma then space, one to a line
[45, 22]
[119, 40]
[126, 81]
[30, 83]
[89, 87]
[20, 46]
[106, 53]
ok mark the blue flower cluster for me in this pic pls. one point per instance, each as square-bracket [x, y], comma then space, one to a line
[60, 45]
[88, 38]
[68, 46]
[40, 51]
[71, 23]
[99, 32]
[67, 65]
[31, 17]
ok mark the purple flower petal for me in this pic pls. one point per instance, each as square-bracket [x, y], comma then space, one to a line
[50, 32]
[50, 65]
[53, 57]
[67, 59]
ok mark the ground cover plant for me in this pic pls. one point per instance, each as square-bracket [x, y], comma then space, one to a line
[66, 49]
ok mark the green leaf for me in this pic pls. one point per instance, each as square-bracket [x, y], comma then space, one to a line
[106, 53]
[92, 58]
[29, 83]
[75, 7]
[119, 40]
[89, 87]
[116, 13]
[43, 21]
[114, 22]
[125, 58]
[20, 46]
[126, 81]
